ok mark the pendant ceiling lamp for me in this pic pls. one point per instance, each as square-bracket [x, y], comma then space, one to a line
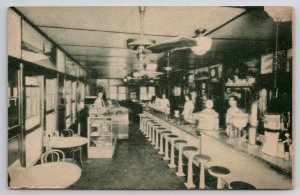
[203, 43]
[279, 13]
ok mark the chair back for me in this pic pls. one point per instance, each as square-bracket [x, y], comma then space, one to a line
[67, 133]
[53, 155]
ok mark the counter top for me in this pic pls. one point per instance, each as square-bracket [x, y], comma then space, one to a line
[279, 164]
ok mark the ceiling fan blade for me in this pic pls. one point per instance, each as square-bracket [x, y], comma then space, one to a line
[178, 42]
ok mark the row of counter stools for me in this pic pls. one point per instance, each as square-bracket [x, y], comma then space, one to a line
[156, 134]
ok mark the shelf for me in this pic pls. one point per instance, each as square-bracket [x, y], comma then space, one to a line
[101, 135]
[102, 138]
[238, 85]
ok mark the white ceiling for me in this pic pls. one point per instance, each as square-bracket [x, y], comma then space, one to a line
[96, 36]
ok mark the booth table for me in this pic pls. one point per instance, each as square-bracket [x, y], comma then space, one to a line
[54, 175]
[67, 142]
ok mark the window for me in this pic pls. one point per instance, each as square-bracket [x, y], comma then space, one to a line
[74, 100]
[122, 93]
[32, 102]
[117, 92]
[68, 94]
[13, 99]
[113, 92]
[143, 93]
[146, 92]
[151, 92]
[50, 94]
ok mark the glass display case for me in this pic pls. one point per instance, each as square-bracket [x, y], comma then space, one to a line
[102, 136]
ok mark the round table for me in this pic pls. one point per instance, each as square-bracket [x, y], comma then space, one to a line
[67, 142]
[54, 175]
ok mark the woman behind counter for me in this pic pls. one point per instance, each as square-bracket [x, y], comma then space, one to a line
[188, 108]
[99, 102]
[164, 103]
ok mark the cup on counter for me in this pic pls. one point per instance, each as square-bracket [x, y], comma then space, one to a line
[176, 113]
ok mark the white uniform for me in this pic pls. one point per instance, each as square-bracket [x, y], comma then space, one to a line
[230, 113]
[164, 104]
[99, 103]
[188, 109]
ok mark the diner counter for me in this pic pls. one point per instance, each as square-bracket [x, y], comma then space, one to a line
[247, 163]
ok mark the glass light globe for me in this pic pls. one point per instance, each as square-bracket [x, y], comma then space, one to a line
[279, 14]
[136, 74]
[203, 45]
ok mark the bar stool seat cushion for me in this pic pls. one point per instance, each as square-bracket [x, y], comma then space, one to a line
[218, 171]
[240, 185]
[190, 148]
[160, 129]
[172, 136]
[180, 141]
[201, 158]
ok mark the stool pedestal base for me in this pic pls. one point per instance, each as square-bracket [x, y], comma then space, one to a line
[178, 174]
[190, 185]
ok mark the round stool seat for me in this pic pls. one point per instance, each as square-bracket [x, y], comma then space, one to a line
[218, 171]
[189, 150]
[180, 141]
[166, 132]
[201, 158]
[172, 136]
[240, 185]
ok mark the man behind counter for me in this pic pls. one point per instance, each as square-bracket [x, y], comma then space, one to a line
[232, 110]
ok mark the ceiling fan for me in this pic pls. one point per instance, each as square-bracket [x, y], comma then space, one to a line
[199, 44]
[139, 44]
[169, 70]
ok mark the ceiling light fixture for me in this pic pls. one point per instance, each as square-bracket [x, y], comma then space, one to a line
[139, 44]
[203, 43]
[279, 13]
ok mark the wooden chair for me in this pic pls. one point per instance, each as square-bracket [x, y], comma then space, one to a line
[53, 155]
[70, 133]
[67, 133]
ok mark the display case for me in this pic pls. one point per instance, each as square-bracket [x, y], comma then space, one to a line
[102, 135]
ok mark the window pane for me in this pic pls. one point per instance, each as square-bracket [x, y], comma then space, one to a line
[143, 90]
[122, 89]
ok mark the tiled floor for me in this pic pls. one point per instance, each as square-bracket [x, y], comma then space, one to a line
[135, 165]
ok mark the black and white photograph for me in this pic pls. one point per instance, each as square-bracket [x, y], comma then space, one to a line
[150, 97]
